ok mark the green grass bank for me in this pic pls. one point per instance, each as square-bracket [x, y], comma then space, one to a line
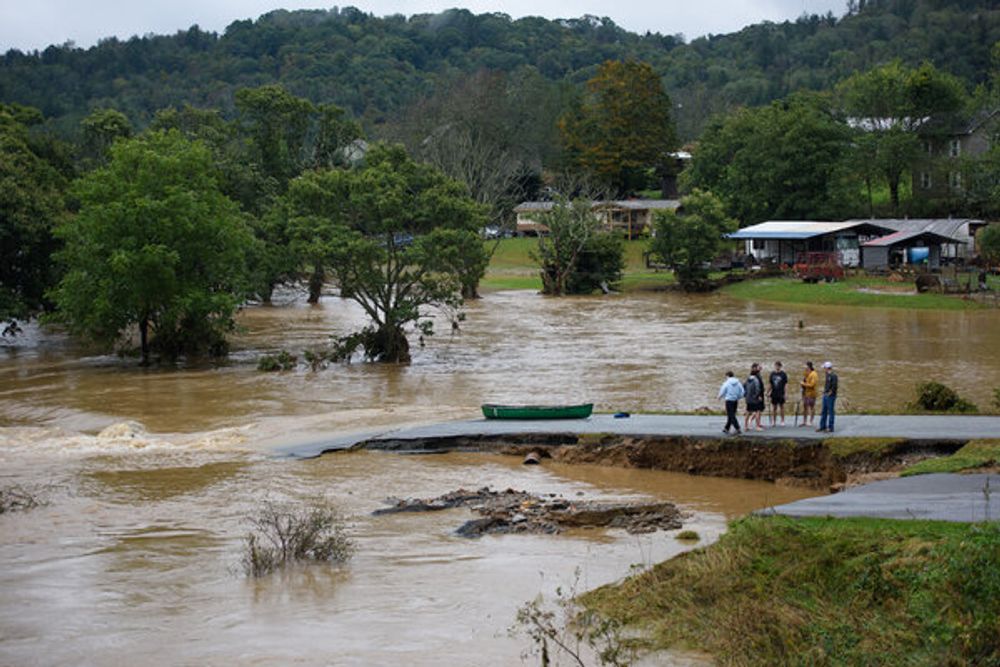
[974, 456]
[861, 291]
[512, 267]
[781, 591]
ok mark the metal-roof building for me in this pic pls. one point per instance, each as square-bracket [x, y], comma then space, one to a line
[892, 250]
[960, 232]
[782, 240]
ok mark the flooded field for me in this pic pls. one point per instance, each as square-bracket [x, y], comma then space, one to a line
[650, 352]
[149, 473]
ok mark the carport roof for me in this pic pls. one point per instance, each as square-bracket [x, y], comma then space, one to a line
[908, 235]
[793, 230]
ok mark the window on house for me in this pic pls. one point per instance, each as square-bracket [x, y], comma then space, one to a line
[955, 148]
[928, 148]
[758, 244]
[955, 180]
[925, 180]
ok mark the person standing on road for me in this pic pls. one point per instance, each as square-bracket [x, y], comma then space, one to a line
[731, 391]
[754, 388]
[809, 383]
[777, 381]
[829, 399]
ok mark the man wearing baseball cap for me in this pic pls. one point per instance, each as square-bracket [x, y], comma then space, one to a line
[829, 399]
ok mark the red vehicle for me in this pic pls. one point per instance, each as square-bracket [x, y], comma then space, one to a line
[813, 267]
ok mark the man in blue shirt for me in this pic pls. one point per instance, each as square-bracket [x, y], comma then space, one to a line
[731, 391]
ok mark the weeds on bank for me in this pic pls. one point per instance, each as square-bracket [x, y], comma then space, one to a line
[17, 499]
[783, 591]
[975, 454]
[566, 633]
[285, 533]
[937, 397]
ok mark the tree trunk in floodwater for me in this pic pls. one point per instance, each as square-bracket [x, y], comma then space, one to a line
[144, 340]
[316, 281]
[470, 290]
[390, 345]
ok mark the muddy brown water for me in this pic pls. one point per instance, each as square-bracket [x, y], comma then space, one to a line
[149, 473]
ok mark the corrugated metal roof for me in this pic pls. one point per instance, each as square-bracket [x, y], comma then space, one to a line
[906, 235]
[954, 228]
[794, 229]
[634, 204]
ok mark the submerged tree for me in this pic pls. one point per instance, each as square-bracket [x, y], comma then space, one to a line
[398, 237]
[155, 246]
[576, 256]
[688, 241]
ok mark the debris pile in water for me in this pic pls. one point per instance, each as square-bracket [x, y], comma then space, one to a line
[513, 511]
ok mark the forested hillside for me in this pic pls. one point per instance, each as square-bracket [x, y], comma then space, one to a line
[377, 67]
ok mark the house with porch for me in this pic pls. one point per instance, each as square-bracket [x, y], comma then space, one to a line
[781, 241]
[870, 243]
[629, 217]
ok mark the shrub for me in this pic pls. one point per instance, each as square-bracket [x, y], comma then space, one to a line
[16, 499]
[283, 361]
[996, 398]
[688, 536]
[936, 397]
[285, 533]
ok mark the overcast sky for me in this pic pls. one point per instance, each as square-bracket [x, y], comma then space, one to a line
[34, 24]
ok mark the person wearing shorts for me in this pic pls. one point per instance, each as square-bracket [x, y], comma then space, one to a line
[754, 388]
[777, 381]
[809, 383]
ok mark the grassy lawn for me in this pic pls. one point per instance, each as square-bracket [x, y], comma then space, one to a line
[780, 591]
[974, 455]
[856, 291]
[513, 268]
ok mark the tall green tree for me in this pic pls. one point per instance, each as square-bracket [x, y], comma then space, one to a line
[988, 243]
[785, 161]
[397, 236]
[31, 203]
[622, 127]
[892, 103]
[277, 123]
[688, 241]
[100, 130]
[155, 248]
[577, 256]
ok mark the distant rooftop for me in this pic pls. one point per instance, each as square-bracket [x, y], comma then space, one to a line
[634, 204]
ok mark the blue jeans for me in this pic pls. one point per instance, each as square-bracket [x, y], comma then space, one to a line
[829, 412]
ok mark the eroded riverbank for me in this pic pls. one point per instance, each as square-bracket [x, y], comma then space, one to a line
[822, 464]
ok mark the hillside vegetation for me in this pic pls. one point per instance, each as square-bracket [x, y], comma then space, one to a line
[376, 67]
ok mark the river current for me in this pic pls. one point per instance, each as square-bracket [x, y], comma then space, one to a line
[148, 474]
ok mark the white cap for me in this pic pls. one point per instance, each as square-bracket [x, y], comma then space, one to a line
[827, 364]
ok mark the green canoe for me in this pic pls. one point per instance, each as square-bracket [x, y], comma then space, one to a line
[581, 411]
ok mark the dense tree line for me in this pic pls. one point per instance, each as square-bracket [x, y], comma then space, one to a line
[152, 240]
[377, 67]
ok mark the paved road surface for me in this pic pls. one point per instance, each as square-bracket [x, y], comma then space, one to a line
[918, 427]
[941, 497]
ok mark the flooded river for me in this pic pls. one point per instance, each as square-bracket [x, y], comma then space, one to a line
[149, 474]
